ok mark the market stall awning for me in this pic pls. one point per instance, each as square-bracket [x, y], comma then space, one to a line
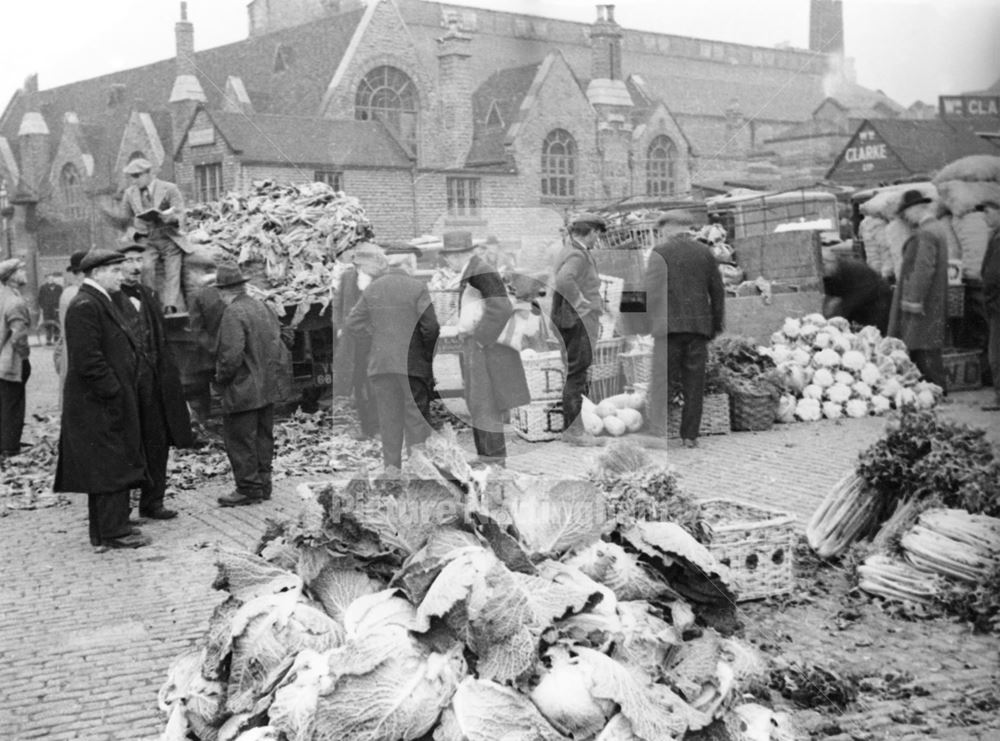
[884, 151]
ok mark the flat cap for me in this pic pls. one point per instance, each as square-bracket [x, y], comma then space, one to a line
[456, 242]
[75, 259]
[594, 221]
[9, 267]
[138, 166]
[99, 258]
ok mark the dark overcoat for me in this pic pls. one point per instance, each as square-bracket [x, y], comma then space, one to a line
[350, 347]
[684, 291]
[173, 407]
[491, 370]
[920, 302]
[100, 443]
[248, 367]
[396, 316]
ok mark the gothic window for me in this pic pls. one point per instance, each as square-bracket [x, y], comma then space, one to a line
[559, 165]
[661, 167]
[71, 186]
[208, 182]
[388, 95]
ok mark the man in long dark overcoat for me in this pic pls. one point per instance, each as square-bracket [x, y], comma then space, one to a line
[920, 302]
[163, 414]
[396, 316]
[492, 374]
[100, 440]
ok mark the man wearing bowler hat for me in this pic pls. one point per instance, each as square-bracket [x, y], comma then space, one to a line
[100, 439]
[492, 374]
[152, 213]
[919, 304]
[247, 372]
[15, 322]
[163, 415]
[576, 311]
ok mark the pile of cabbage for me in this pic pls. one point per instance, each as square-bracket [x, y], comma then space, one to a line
[831, 372]
[448, 604]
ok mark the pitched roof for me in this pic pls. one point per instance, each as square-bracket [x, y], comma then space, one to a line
[297, 140]
[505, 89]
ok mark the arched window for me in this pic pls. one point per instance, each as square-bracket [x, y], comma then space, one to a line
[387, 94]
[661, 167]
[559, 165]
[71, 187]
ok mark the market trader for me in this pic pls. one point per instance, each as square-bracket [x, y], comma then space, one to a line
[686, 303]
[854, 290]
[576, 311]
[163, 414]
[991, 295]
[919, 304]
[15, 322]
[100, 440]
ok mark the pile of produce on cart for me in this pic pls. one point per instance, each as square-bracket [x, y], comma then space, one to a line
[452, 605]
[923, 509]
[831, 371]
[284, 237]
[962, 185]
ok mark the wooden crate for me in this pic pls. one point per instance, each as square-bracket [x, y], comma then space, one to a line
[963, 369]
[538, 421]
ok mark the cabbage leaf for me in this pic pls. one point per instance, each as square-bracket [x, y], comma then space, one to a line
[482, 710]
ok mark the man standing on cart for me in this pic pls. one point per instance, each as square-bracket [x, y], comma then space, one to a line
[576, 311]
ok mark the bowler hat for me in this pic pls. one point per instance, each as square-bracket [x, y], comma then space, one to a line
[912, 198]
[456, 242]
[75, 259]
[99, 258]
[229, 276]
[594, 221]
[138, 166]
[9, 267]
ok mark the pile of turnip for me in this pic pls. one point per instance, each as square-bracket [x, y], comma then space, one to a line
[615, 415]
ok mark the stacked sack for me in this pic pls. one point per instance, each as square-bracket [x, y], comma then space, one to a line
[963, 185]
[830, 371]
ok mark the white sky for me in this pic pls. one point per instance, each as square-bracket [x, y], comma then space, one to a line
[911, 49]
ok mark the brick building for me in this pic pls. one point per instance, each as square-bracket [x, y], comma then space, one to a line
[435, 115]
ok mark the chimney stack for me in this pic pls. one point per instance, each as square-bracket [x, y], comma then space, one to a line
[187, 92]
[605, 45]
[826, 27]
[455, 91]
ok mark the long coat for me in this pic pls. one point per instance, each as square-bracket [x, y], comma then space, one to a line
[351, 348]
[100, 443]
[491, 370]
[684, 291]
[396, 315]
[919, 304]
[168, 383]
[15, 321]
[248, 366]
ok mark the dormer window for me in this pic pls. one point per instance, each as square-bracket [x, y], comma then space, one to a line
[493, 118]
[284, 57]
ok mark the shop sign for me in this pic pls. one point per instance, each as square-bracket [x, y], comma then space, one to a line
[867, 154]
[969, 106]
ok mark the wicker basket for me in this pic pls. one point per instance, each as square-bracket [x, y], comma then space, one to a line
[956, 301]
[715, 417]
[445, 302]
[756, 543]
[638, 366]
[604, 373]
[643, 234]
[545, 374]
[751, 411]
[538, 421]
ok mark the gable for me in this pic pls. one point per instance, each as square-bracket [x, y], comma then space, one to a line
[554, 100]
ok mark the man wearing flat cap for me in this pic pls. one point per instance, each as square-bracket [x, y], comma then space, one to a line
[991, 295]
[15, 322]
[395, 317]
[920, 302]
[152, 213]
[686, 304]
[576, 311]
[100, 439]
[163, 414]
[492, 375]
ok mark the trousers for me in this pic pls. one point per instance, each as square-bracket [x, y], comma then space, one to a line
[931, 366]
[12, 403]
[107, 514]
[403, 407]
[578, 343]
[249, 439]
[678, 364]
[155, 441]
[162, 251]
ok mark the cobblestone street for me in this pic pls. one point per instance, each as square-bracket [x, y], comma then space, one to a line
[86, 637]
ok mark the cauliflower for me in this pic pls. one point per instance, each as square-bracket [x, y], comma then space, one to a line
[812, 391]
[839, 323]
[808, 410]
[815, 319]
[778, 338]
[786, 409]
[842, 344]
[862, 390]
[801, 356]
[827, 358]
[781, 353]
[853, 360]
[844, 378]
[838, 393]
[870, 374]
[890, 387]
[856, 408]
[791, 328]
[925, 399]
[822, 377]
[832, 410]
[880, 404]
[905, 398]
[794, 376]
[808, 332]
[822, 340]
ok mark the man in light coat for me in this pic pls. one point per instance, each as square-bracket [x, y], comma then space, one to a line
[396, 317]
[15, 323]
[919, 304]
[100, 440]
[247, 373]
[686, 304]
[991, 295]
[492, 374]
